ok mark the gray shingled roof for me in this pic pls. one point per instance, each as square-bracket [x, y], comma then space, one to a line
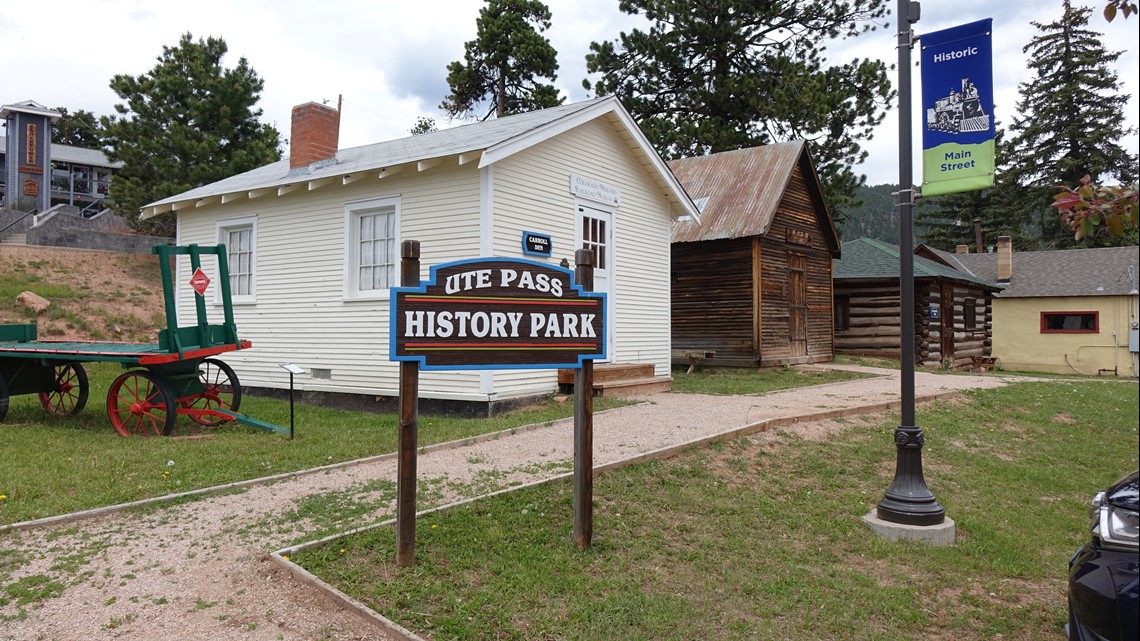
[1061, 272]
[488, 140]
[866, 259]
[77, 155]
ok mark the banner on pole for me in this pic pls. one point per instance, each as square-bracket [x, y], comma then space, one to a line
[957, 101]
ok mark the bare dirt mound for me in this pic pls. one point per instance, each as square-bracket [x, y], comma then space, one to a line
[94, 295]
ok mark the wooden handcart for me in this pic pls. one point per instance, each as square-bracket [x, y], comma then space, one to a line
[176, 376]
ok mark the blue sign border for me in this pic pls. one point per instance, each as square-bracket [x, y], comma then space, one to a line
[549, 244]
[433, 281]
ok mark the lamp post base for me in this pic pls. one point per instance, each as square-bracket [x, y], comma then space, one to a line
[940, 534]
[907, 500]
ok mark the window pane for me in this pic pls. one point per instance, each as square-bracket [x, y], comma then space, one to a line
[1069, 322]
[377, 249]
[239, 248]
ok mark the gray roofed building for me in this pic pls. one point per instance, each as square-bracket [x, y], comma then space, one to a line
[1069, 272]
[36, 173]
[315, 243]
[1063, 311]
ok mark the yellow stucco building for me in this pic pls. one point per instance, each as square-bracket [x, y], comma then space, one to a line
[1072, 311]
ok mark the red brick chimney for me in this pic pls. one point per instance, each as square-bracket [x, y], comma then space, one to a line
[314, 135]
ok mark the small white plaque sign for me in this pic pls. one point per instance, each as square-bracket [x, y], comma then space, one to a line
[595, 190]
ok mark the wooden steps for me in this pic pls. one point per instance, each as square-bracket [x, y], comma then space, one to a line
[620, 380]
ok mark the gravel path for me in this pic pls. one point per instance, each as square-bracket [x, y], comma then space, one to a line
[199, 570]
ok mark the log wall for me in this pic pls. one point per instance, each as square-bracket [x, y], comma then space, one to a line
[874, 321]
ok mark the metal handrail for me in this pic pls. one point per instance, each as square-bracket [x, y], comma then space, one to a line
[13, 223]
[95, 203]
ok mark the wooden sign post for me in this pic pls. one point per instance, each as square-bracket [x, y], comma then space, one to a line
[409, 427]
[495, 313]
[584, 422]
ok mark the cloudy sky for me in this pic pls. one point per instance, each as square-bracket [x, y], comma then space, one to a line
[388, 59]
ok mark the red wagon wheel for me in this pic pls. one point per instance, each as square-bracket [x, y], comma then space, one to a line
[69, 394]
[223, 391]
[140, 403]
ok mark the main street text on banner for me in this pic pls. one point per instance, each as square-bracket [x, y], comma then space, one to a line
[495, 313]
[957, 100]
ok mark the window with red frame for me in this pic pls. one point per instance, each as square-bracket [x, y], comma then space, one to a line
[1070, 322]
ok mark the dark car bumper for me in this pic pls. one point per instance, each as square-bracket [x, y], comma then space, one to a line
[1104, 591]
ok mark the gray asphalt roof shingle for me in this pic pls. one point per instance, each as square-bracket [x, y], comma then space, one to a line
[1063, 272]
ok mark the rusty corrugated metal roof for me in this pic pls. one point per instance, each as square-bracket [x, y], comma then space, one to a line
[738, 192]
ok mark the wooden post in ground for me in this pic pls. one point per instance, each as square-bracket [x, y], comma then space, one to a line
[584, 421]
[409, 426]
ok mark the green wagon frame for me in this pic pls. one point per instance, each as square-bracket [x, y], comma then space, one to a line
[175, 376]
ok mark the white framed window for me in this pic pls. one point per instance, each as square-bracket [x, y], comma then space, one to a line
[372, 255]
[240, 238]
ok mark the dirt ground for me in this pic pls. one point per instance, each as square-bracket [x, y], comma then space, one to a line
[95, 295]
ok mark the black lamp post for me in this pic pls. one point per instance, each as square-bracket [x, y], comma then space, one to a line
[907, 500]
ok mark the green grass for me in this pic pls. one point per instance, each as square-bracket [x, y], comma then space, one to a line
[738, 381]
[16, 278]
[761, 538]
[869, 361]
[55, 465]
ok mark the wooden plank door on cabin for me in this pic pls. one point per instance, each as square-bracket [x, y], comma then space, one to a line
[946, 331]
[797, 304]
[596, 231]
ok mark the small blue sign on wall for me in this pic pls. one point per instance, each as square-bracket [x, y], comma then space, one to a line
[935, 310]
[535, 244]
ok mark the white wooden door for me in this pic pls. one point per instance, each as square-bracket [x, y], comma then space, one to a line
[596, 231]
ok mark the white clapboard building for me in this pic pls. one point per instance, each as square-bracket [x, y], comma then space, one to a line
[313, 241]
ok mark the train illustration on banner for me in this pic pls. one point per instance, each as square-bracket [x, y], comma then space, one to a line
[959, 112]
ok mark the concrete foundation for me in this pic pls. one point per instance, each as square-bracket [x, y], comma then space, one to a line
[941, 534]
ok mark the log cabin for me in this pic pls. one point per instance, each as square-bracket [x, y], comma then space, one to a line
[953, 310]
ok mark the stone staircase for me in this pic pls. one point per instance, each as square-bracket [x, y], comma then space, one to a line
[14, 239]
[620, 380]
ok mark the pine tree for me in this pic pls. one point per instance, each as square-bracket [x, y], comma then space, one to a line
[948, 221]
[504, 63]
[78, 129]
[185, 123]
[717, 76]
[424, 125]
[1068, 123]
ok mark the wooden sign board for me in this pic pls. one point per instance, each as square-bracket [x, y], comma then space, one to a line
[497, 313]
